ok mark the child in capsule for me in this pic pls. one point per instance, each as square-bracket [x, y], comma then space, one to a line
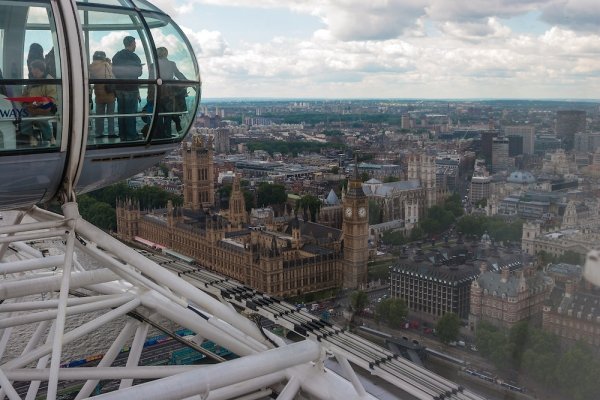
[42, 103]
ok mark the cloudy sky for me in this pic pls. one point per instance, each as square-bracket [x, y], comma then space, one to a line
[394, 48]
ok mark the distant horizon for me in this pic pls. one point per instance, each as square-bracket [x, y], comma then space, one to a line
[394, 49]
[441, 99]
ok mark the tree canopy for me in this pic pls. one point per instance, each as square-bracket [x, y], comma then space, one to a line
[394, 238]
[98, 207]
[310, 205]
[270, 194]
[448, 327]
[375, 212]
[394, 311]
[496, 227]
[573, 371]
[440, 218]
[359, 300]
[97, 212]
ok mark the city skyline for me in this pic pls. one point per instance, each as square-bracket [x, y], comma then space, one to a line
[393, 49]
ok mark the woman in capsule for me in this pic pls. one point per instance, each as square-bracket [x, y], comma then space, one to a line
[100, 68]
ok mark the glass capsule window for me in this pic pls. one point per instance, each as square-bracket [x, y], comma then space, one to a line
[30, 85]
[178, 77]
[144, 80]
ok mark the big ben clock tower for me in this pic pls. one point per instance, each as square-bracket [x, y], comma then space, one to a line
[355, 229]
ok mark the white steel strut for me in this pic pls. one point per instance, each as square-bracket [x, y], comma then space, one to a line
[42, 315]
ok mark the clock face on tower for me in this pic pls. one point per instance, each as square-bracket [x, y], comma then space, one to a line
[362, 212]
[348, 211]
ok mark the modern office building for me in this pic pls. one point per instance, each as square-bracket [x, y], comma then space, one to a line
[487, 138]
[436, 284]
[500, 158]
[481, 188]
[587, 142]
[515, 145]
[527, 132]
[568, 123]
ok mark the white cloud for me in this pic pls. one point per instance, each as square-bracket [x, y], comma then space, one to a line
[207, 43]
[574, 14]
[475, 31]
[410, 48]
[478, 10]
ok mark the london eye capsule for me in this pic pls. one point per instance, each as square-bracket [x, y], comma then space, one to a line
[91, 92]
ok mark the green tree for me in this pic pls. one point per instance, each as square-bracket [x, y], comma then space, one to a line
[335, 170]
[454, 205]
[224, 191]
[471, 225]
[390, 178]
[416, 234]
[164, 170]
[397, 312]
[570, 257]
[97, 213]
[493, 344]
[359, 300]
[271, 194]
[448, 327]
[544, 258]
[542, 356]
[577, 373]
[364, 176]
[248, 199]
[309, 203]
[481, 203]
[374, 212]
[518, 337]
[394, 311]
[394, 238]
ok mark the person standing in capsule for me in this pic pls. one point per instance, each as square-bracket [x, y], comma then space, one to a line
[100, 68]
[126, 65]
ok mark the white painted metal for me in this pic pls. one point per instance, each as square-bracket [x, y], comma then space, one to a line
[347, 368]
[8, 388]
[220, 375]
[131, 282]
[135, 352]
[109, 357]
[290, 390]
[33, 264]
[53, 314]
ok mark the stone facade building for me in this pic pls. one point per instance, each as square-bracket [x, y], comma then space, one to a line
[408, 200]
[573, 314]
[579, 240]
[284, 259]
[506, 297]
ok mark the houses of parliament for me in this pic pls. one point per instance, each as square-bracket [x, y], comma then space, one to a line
[284, 259]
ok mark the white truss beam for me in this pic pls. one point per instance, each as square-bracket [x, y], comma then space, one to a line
[127, 282]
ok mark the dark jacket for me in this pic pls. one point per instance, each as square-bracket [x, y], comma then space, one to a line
[169, 70]
[126, 65]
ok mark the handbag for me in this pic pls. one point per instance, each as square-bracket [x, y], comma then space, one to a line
[147, 109]
[109, 87]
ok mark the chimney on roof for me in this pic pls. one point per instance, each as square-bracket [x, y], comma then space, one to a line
[505, 272]
[483, 267]
[569, 288]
